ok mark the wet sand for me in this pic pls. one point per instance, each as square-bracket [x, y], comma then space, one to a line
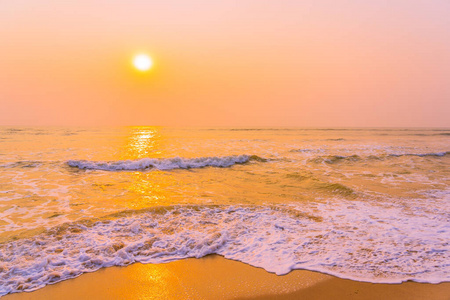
[214, 277]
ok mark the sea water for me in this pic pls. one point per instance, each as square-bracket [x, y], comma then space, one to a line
[365, 204]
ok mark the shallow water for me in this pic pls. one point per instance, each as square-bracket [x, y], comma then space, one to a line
[365, 204]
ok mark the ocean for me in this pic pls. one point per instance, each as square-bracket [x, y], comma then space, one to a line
[364, 204]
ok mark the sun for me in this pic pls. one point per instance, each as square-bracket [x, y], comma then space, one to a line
[142, 62]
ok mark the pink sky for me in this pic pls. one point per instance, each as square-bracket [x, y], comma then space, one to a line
[226, 63]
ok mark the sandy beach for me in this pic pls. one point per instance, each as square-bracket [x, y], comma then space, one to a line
[214, 277]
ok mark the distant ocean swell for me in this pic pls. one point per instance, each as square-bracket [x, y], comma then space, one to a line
[349, 239]
[305, 180]
[439, 154]
[165, 164]
[21, 164]
[331, 159]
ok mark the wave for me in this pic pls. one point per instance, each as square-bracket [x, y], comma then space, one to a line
[22, 164]
[428, 134]
[334, 159]
[439, 154]
[305, 150]
[165, 164]
[307, 181]
[349, 239]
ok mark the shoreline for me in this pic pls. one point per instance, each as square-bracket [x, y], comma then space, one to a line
[214, 277]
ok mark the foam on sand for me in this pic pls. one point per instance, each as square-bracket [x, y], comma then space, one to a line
[349, 239]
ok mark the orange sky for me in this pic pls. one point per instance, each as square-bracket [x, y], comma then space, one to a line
[226, 63]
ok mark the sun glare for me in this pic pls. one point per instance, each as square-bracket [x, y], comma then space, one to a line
[142, 62]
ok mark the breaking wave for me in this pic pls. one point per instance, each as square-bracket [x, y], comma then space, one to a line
[349, 239]
[165, 163]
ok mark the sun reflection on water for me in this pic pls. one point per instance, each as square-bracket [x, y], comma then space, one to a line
[142, 142]
[148, 188]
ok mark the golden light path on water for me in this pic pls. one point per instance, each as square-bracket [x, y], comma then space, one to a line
[145, 142]
[142, 142]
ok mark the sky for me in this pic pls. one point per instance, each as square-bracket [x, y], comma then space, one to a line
[320, 63]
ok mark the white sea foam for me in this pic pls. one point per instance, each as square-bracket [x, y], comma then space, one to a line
[350, 239]
[162, 164]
